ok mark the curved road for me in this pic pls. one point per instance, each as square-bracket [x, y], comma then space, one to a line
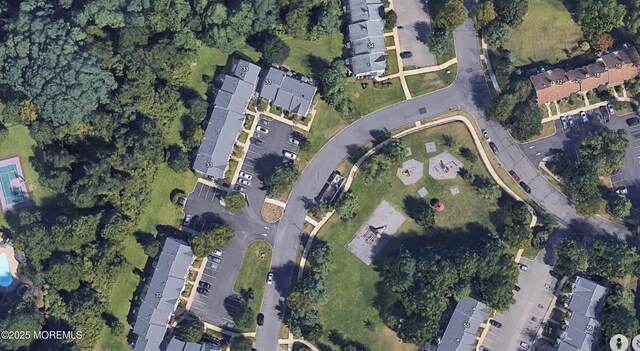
[468, 92]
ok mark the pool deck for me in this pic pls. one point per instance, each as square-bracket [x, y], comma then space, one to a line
[13, 265]
[25, 190]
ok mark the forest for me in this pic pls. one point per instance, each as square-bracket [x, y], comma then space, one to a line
[99, 84]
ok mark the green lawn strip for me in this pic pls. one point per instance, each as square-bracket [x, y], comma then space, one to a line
[253, 273]
[447, 55]
[392, 62]
[389, 41]
[565, 105]
[420, 84]
[309, 56]
[353, 291]
[372, 98]
[243, 137]
[530, 252]
[326, 123]
[545, 35]
[19, 143]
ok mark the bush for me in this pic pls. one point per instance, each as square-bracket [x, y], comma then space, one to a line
[191, 330]
[178, 160]
[152, 248]
[390, 19]
[496, 34]
[425, 215]
[346, 205]
[234, 201]
[440, 42]
[274, 49]
[4, 133]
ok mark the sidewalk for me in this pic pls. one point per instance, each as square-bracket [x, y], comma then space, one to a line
[485, 57]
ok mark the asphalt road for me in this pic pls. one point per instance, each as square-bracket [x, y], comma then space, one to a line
[468, 92]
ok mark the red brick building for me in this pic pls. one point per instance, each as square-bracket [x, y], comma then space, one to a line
[609, 70]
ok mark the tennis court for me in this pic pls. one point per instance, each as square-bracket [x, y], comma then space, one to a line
[13, 188]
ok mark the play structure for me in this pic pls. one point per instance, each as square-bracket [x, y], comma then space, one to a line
[444, 166]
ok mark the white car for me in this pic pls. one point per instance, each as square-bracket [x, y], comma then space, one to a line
[563, 120]
[611, 110]
[486, 134]
[523, 267]
[187, 219]
[245, 175]
[262, 129]
[622, 190]
[290, 155]
[244, 182]
[524, 345]
[218, 252]
[584, 116]
[294, 141]
[270, 278]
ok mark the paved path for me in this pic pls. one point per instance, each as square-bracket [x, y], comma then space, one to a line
[469, 92]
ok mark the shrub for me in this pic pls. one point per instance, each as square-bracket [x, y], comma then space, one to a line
[234, 201]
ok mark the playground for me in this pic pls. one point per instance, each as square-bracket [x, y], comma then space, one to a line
[13, 186]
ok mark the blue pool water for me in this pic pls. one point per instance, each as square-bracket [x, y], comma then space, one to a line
[5, 272]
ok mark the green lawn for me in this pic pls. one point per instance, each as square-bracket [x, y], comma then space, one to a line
[545, 34]
[354, 291]
[307, 56]
[327, 123]
[208, 59]
[253, 273]
[389, 41]
[392, 62]
[420, 84]
[565, 105]
[19, 143]
[371, 99]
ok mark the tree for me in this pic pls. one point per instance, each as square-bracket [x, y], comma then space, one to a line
[451, 16]
[234, 201]
[274, 49]
[425, 215]
[346, 206]
[511, 12]
[313, 287]
[618, 315]
[178, 160]
[495, 293]
[321, 258]
[572, 257]
[191, 329]
[306, 323]
[468, 154]
[603, 42]
[240, 343]
[394, 151]
[243, 315]
[398, 275]
[482, 14]
[621, 206]
[280, 179]
[439, 42]
[491, 192]
[517, 236]
[333, 87]
[526, 121]
[152, 248]
[64, 273]
[204, 243]
[329, 21]
[390, 19]
[23, 317]
[600, 17]
[612, 259]
[4, 133]
[496, 34]
[505, 62]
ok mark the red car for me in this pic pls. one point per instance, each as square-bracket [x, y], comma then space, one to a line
[514, 175]
[605, 113]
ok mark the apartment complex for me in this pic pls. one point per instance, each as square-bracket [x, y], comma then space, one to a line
[366, 37]
[609, 70]
[585, 302]
[463, 326]
[287, 91]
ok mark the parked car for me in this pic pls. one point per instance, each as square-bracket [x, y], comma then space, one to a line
[570, 119]
[270, 278]
[584, 116]
[260, 319]
[263, 122]
[290, 155]
[244, 182]
[215, 259]
[204, 285]
[514, 175]
[524, 345]
[516, 288]
[486, 134]
[611, 110]
[524, 186]
[218, 252]
[187, 219]
[406, 54]
[633, 121]
[294, 141]
[256, 141]
[494, 148]
[262, 129]
[495, 323]
[245, 175]
[563, 120]
[211, 265]
[202, 291]
[622, 190]
[523, 267]
[604, 112]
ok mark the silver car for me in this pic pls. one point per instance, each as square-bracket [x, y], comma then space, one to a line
[244, 182]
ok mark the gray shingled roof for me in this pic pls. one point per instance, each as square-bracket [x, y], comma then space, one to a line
[162, 295]
[247, 71]
[289, 93]
[367, 64]
[366, 36]
[217, 145]
[587, 298]
[366, 29]
[368, 45]
[179, 345]
[460, 334]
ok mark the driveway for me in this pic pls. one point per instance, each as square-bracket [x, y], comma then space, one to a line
[526, 315]
[204, 204]
[415, 23]
[265, 152]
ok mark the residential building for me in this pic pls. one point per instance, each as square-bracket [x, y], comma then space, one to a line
[162, 295]
[585, 301]
[179, 345]
[609, 70]
[288, 92]
[366, 37]
[463, 326]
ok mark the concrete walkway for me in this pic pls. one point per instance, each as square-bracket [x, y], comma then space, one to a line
[485, 57]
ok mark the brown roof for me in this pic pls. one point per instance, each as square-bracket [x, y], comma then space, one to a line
[622, 57]
[577, 73]
[595, 68]
[548, 78]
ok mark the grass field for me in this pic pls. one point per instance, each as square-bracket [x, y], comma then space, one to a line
[253, 273]
[373, 98]
[548, 129]
[389, 41]
[19, 143]
[354, 291]
[392, 62]
[545, 34]
[307, 57]
[420, 84]
[327, 123]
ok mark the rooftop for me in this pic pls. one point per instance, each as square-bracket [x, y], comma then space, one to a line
[367, 64]
[179, 345]
[217, 144]
[460, 334]
[290, 93]
[585, 302]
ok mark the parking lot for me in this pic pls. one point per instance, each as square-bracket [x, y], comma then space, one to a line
[526, 315]
[413, 32]
[265, 152]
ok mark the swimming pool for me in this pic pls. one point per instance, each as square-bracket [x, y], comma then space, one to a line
[5, 271]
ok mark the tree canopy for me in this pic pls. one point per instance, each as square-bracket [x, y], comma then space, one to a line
[204, 243]
[482, 14]
[511, 12]
[600, 17]
[451, 15]
[274, 49]
[280, 179]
